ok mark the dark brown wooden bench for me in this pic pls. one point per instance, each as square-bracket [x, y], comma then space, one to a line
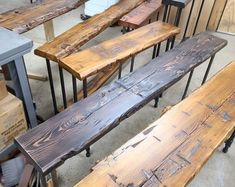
[141, 15]
[76, 128]
[172, 150]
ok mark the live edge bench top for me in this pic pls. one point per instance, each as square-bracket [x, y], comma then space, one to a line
[71, 40]
[92, 60]
[140, 15]
[26, 18]
[71, 131]
[171, 151]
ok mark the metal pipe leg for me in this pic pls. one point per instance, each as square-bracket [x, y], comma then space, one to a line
[63, 87]
[158, 49]
[229, 142]
[75, 97]
[85, 94]
[154, 51]
[120, 71]
[188, 83]
[156, 102]
[208, 69]
[51, 86]
[132, 63]
[165, 13]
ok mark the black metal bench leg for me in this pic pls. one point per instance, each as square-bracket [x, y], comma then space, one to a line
[156, 102]
[208, 69]
[51, 86]
[132, 63]
[63, 87]
[120, 71]
[85, 94]
[229, 142]
[75, 97]
[187, 85]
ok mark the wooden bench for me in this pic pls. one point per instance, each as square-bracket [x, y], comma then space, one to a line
[172, 150]
[116, 50]
[141, 15]
[76, 128]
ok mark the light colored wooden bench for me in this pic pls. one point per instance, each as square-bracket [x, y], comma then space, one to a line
[141, 15]
[172, 150]
[76, 128]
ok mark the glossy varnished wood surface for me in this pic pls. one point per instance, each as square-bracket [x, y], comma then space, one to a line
[80, 125]
[171, 151]
[141, 15]
[116, 50]
[26, 18]
[71, 40]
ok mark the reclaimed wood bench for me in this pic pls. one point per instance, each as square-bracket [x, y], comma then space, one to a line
[116, 50]
[76, 128]
[26, 18]
[141, 15]
[172, 150]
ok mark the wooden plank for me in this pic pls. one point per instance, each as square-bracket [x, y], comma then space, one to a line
[86, 121]
[71, 40]
[141, 15]
[117, 50]
[174, 148]
[26, 18]
[49, 30]
[216, 14]
[3, 90]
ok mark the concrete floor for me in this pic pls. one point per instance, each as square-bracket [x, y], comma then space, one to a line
[218, 170]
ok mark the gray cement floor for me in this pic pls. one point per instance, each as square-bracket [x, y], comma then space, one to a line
[218, 170]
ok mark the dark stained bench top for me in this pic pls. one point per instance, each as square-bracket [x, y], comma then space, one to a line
[82, 124]
[141, 15]
[116, 50]
[172, 150]
[178, 3]
[71, 40]
[26, 18]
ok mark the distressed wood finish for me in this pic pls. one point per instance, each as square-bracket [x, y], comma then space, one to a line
[141, 15]
[26, 18]
[172, 150]
[71, 40]
[80, 125]
[178, 3]
[116, 50]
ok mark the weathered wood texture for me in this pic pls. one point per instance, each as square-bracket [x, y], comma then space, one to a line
[80, 125]
[116, 50]
[26, 18]
[71, 40]
[141, 15]
[178, 3]
[172, 150]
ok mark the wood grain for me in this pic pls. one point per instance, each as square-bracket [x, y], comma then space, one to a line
[172, 150]
[82, 124]
[116, 50]
[26, 18]
[141, 15]
[71, 40]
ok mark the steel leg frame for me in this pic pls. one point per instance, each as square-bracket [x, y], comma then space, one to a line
[229, 142]
[132, 63]
[74, 81]
[208, 69]
[51, 86]
[43, 178]
[63, 87]
[187, 85]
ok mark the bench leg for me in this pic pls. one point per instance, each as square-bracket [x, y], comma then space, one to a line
[229, 142]
[187, 85]
[132, 63]
[75, 96]
[208, 69]
[156, 102]
[43, 181]
[120, 71]
[63, 87]
[51, 86]
[54, 178]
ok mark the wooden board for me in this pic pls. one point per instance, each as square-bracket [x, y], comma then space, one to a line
[141, 15]
[172, 150]
[26, 18]
[116, 50]
[3, 90]
[47, 146]
[71, 40]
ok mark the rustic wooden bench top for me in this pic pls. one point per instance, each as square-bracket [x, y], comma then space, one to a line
[26, 18]
[92, 60]
[140, 15]
[172, 150]
[178, 3]
[71, 40]
[73, 130]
